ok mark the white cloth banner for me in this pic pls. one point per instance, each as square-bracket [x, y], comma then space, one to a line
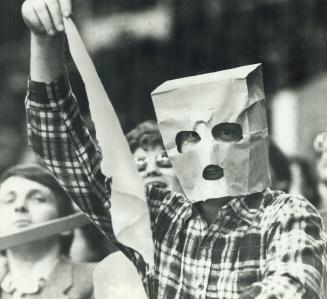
[129, 210]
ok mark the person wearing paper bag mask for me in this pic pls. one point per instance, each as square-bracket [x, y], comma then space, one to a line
[206, 121]
[230, 236]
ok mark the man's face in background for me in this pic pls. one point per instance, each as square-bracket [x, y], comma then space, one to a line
[155, 167]
[151, 158]
[24, 203]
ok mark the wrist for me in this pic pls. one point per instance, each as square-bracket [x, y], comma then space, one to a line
[47, 57]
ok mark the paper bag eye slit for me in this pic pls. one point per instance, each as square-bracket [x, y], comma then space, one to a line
[227, 132]
[184, 138]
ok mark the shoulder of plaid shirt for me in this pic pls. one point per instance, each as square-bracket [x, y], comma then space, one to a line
[295, 249]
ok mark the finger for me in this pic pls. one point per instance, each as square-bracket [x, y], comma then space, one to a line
[55, 13]
[43, 15]
[66, 7]
[31, 19]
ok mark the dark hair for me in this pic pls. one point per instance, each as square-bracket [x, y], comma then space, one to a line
[146, 135]
[39, 174]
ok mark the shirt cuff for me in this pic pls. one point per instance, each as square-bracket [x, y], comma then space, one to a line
[49, 92]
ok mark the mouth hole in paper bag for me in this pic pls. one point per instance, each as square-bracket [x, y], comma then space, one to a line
[213, 172]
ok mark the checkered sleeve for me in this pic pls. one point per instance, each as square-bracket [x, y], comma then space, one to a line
[58, 135]
[155, 199]
[295, 252]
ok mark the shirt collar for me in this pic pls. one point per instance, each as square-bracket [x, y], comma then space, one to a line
[8, 286]
[241, 209]
[247, 207]
[244, 207]
[35, 285]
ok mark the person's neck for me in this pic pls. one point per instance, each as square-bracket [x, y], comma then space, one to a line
[25, 260]
[208, 209]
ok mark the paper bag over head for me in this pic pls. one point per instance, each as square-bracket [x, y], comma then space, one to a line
[222, 117]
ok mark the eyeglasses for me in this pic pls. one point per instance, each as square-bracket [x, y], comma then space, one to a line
[320, 143]
[161, 160]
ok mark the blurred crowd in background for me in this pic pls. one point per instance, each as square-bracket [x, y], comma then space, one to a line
[138, 44]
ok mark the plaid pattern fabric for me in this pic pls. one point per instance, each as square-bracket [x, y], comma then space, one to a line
[266, 246]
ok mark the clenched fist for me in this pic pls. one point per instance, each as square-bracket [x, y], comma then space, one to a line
[46, 16]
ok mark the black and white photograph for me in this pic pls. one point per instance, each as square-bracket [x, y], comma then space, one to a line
[163, 149]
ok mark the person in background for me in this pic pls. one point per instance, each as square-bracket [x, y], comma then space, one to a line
[151, 158]
[89, 244]
[30, 195]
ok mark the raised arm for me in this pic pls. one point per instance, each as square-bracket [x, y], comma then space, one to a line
[57, 132]
[47, 51]
[52, 111]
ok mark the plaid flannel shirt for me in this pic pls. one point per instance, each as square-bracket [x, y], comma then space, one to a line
[274, 250]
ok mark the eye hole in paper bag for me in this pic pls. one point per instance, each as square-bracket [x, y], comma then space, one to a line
[184, 139]
[227, 132]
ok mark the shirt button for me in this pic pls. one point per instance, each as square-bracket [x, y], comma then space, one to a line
[201, 286]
